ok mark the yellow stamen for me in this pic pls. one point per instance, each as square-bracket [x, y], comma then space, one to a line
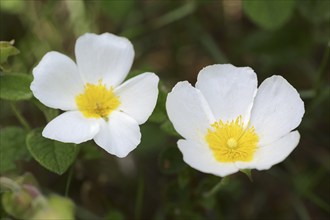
[231, 142]
[97, 101]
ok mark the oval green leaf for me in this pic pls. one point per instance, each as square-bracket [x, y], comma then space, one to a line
[15, 87]
[53, 155]
[269, 14]
[12, 147]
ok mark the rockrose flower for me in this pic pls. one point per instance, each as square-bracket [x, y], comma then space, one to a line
[97, 106]
[228, 124]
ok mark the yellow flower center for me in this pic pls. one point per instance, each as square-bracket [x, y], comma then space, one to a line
[231, 142]
[97, 101]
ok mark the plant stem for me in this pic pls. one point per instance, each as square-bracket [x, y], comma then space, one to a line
[161, 21]
[320, 72]
[68, 182]
[174, 15]
[139, 198]
[216, 188]
[49, 114]
[19, 116]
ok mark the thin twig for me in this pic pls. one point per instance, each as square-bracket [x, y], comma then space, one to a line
[139, 198]
[321, 70]
[20, 117]
[69, 180]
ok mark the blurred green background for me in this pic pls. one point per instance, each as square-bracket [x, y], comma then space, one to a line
[176, 39]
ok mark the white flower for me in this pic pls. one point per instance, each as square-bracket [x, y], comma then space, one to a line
[97, 105]
[228, 124]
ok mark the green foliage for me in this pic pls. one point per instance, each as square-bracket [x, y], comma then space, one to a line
[27, 179]
[90, 151]
[248, 173]
[269, 14]
[21, 209]
[15, 87]
[57, 208]
[170, 160]
[184, 179]
[55, 156]
[117, 10]
[167, 126]
[114, 215]
[12, 6]
[152, 137]
[316, 11]
[12, 148]
[23, 200]
[159, 113]
[6, 50]
[49, 113]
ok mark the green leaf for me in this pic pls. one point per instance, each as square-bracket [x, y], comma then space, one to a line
[269, 14]
[316, 11]
[6, 50]
[54, 156]
[12, 147]
[13, 7]
[247, 172]
[280, 47]
[117, 10]
[15, 87]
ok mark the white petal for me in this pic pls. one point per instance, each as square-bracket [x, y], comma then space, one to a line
[71, 127]
[57, 81]
[120, 135]
[272, 154]
[277, 110]
[188, 111]
[105, 57]
[229, 90]
[201, 158]
[138, 96]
